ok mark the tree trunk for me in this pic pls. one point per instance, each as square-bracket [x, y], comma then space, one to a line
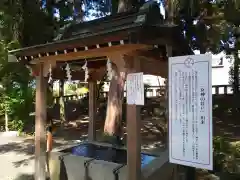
[124, 5]
[78, 13]
[49, 7]
[236, 83]
[169, 10]
[236, 75]
[236, 64]
[6, 121]
[112, 126]
[115, 100]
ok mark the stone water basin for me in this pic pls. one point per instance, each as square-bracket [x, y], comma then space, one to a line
[97, 161]
[105, 153]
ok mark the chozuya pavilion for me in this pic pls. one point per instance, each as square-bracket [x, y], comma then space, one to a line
[136, 41]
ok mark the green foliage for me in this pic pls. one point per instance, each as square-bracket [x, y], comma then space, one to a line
[17, 124]
[207, 25]
[16, 94]
[29, 23]
[210, 26]
[226, 154]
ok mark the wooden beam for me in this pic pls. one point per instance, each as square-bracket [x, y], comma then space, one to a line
[153, 62]
[98, 52]
[93, 63]
[40, 122]
[134, 135]
[92, 110]
[156, 67]
[71, 44]
[94, 74]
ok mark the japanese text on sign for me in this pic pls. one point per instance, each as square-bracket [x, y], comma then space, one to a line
[135, 89]
[190, 111]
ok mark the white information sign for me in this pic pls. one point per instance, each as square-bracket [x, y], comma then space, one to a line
[135, 89]
[190, 111]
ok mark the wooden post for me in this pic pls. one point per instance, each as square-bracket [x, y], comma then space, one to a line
[92, 110]
[133, 142]
[134, 136]
[40, 122]
[169, 54]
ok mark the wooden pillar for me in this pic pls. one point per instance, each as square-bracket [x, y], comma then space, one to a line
[92, 110]
[40, 124]
[169, 54]
[134, 135]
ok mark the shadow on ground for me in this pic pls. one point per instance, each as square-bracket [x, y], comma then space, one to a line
[24, 162]
[24, 177]
[23, 147]
[19, 147]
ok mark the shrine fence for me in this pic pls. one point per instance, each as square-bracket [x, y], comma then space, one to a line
[153, 91]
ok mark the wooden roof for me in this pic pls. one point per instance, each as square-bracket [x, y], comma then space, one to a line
[143, 29]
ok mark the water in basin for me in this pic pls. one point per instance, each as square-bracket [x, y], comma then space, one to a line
[106, 153]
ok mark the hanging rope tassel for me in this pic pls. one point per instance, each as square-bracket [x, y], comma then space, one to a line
[109, 70]
[85, 68]
[68, 71]
[50, 74]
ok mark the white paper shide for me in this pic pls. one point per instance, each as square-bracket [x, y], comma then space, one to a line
[190, 111]
[135, 89]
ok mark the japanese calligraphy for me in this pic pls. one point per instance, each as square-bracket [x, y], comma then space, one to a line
[190, 111]
[135, 89]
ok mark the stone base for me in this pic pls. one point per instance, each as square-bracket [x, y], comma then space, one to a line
[72, 167]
